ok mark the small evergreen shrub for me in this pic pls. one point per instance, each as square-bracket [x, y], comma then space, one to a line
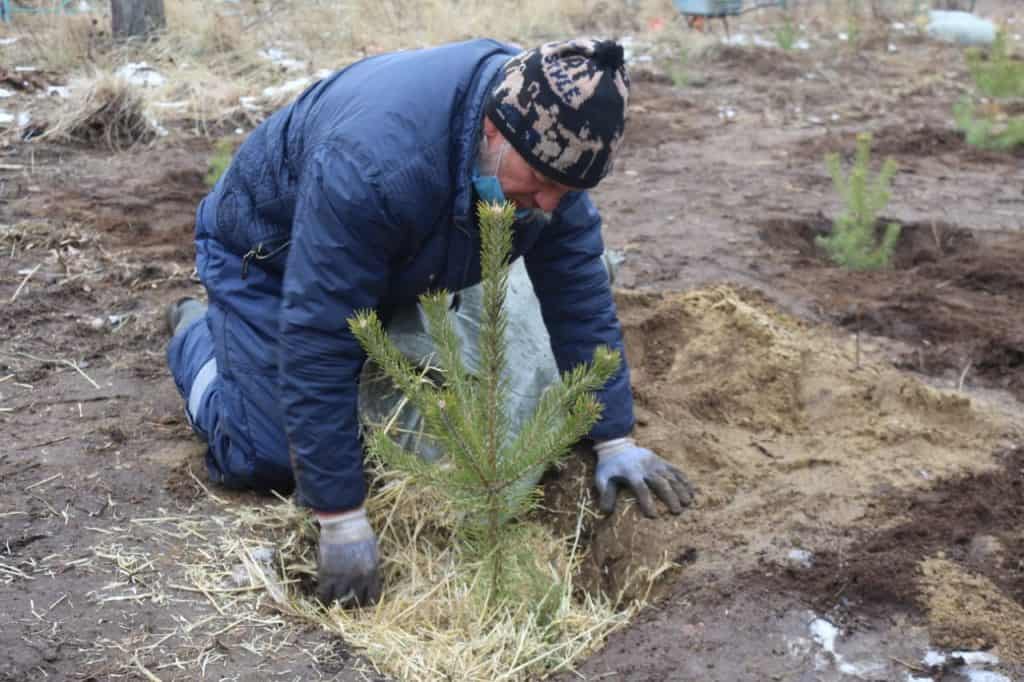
[987, 132]
[999, 74]
[482, 474]
[853, 242]
[786, 34]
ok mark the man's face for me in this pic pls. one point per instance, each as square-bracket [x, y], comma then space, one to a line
[521, 184]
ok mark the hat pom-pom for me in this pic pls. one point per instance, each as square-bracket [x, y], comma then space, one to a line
[609, 55]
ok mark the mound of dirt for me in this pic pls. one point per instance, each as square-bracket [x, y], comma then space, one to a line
[967, 611]
[782, 432]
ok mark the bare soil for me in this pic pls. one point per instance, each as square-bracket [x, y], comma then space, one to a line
[855, 437]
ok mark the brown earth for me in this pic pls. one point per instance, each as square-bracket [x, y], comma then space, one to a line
[872, 421]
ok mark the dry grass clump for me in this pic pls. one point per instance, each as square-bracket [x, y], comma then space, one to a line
[431, 622]
[110, 112]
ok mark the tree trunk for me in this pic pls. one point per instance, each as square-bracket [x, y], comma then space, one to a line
[132, 18]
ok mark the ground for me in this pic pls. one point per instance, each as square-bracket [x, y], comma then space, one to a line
[855, 437]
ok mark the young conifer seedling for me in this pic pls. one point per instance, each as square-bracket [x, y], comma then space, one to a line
[484, 461]
[853, 242]
[999, 82]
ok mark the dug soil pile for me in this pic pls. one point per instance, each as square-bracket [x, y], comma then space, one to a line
[801, 446]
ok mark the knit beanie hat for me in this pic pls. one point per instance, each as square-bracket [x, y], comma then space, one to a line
[563, 107]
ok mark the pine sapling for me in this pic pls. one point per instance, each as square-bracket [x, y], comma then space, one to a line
[997, 74]
[465, 416]
[853, 242]
[997, 77]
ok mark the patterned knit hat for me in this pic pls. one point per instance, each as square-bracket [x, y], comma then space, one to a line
[563, 107]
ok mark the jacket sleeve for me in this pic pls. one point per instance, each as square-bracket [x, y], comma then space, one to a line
[338, 263]
[572, 284]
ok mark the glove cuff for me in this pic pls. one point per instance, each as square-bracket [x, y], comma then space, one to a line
[608, 448]
[350, 526]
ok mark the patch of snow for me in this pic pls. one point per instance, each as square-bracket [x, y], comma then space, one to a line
[899, 26]
[971, 659]
[6, 118]
[913, 678]
[825, 633]
[5, 93]
[290, 88]
[277, 56]
[239, 131]
[9, 41]
[801, 557]
[141, 74]
[176, 106]
[802, 44]
[843, 37]
[977, 657]
[23, 119]
[25, 69]
[974, 675]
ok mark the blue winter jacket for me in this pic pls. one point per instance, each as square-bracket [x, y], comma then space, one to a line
[359, 195]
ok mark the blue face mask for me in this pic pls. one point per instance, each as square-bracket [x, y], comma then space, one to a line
[489, 189]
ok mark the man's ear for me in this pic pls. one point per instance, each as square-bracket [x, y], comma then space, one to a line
[490, 130]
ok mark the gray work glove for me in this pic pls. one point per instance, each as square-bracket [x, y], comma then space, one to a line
[622, 462]
[349, 560]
